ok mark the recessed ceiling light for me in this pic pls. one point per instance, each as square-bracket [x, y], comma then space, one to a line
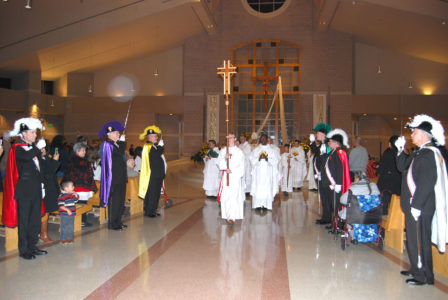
[443, 22]
[364, 114]
[395, 118]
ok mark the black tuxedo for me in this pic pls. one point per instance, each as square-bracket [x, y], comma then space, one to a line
[117, 193]
[424, 173]
[28, 194]
[329, 196]
[157, 166]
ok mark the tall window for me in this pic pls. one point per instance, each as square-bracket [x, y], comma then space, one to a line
[259, 64]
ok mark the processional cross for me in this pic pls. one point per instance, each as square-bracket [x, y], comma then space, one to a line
[265, 79]
[226, 71]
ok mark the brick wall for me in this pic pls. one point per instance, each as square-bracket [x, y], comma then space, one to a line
[326, 57]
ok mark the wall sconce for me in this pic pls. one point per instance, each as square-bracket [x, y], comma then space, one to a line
[52, 103]
[90, 90]
[28, 4]
[156, 72]
[378, 69]
[410, 86]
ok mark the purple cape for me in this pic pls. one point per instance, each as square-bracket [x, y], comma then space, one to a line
[106, 172]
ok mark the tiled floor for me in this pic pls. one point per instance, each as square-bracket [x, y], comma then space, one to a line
[190, 253]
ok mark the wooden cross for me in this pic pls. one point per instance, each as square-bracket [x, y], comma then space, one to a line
[226, 71]
[265, 79]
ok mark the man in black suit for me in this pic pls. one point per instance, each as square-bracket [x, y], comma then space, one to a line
[420, 170]
[24, 185]
[113, 173]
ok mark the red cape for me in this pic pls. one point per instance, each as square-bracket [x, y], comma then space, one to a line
[9, 215]
[346, 181]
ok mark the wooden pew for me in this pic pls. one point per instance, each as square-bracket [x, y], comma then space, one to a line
[394, 225]
[132, 199]
[96, 203]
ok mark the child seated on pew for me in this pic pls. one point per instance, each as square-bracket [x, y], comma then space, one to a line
[67, 210]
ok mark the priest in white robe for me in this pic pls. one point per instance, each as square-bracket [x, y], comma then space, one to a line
[310, 175]
[232, 196]
[286, 171]
[298, 166]
[211, 171]
[247, 150]
[264, 161]
[279, 165]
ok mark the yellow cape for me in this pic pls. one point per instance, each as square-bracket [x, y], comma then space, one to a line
[145, 171]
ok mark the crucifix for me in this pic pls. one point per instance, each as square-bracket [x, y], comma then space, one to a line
[265, 79]
[226, 71]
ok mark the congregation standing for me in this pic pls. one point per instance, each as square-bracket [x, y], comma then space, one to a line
[259, 169]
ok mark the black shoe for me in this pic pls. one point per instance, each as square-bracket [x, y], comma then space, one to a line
[318, 221]
[264, 209]
[28, 256]
[119, 228]
[86, 224]
[151, 215]
[124, 226]
[39, 252]
[328, 227]
[285, 193]
[406, 273]
[299, 189]
[324, 222]
[413, 281]
[258, 208]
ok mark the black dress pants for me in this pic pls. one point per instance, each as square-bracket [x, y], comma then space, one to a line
[29, 219]
[153, 195]
[328, 198]
[115, 205]
[425, 273]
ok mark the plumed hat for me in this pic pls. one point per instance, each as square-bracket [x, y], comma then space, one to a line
[153, 129]
[111, 127]
[254, 136]
[430, 125]
[25, 124]
[322, 127]
[339, 136]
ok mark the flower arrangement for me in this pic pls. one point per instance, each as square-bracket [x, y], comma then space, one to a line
[263, 154]
[198, 156]
[305, 147]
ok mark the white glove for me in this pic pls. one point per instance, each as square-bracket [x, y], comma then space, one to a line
[323, 149]
[161, 143]
[122, 138]
[416, 213]
[312, 137]
[317, 176]
[338, 188]
[400, 143]
[331, 187]
[41, 144]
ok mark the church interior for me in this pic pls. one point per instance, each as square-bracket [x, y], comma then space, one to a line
[365, 66]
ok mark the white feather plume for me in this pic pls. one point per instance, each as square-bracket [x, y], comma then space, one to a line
[32, 123]
[340, 132]
[437, 130]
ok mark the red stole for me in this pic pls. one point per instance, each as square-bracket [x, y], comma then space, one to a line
[9, 215]
[346, 181]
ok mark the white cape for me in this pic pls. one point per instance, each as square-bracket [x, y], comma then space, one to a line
[439, 232]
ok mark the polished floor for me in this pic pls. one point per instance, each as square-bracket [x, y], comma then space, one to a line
[190, 253]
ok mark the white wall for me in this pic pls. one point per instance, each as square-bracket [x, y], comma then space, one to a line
[169, 82]
[397, 70]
